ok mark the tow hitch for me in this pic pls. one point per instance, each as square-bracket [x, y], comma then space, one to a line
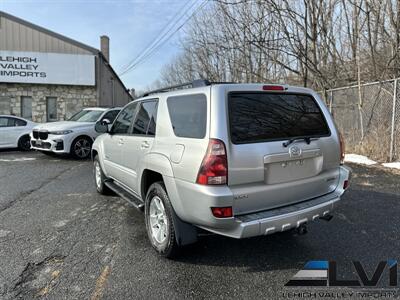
[327, 217]
[302, 229]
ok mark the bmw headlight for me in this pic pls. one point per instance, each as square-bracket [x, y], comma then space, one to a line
[61, 132]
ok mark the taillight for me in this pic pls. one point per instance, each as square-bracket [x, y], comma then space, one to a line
[342, 148]
[214, 167]
[222, 212]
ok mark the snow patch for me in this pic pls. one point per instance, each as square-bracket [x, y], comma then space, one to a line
[393, 165]
[359, 159]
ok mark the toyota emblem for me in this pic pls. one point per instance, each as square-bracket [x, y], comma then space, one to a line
[294, 151]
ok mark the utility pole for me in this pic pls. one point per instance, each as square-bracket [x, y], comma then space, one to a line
[306, 41]
[397, 54]
[360, 99]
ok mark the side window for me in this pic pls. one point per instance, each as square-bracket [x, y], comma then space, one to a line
[146, 118]
[3, 122]
[26, 107]
[188, 115]
[51, 104]
[111, 115]
[11, 122]
[19, 122]
[124, 119]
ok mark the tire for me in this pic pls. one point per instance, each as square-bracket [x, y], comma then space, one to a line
[160, 229]
[99, 178]
[81, 147]
[24, 143]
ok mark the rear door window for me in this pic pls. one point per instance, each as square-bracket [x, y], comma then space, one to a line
[123, 121]
[188, 115]
[11, 122]
[146, 118]
[259, 117]
[3, 122]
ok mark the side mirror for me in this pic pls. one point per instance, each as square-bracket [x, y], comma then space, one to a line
[108, 123]
[102, 126]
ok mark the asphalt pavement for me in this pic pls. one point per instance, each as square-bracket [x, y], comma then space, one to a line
[59, 239]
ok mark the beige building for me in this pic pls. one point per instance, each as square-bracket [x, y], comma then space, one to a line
[46, 77]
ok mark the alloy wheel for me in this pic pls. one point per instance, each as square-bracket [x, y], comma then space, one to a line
[158, 220]
[26, 143]
[97, 172]
[82, 148]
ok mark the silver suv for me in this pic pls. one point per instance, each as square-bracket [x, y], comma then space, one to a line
[240, 160]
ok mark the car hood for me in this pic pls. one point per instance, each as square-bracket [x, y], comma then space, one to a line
[64, 125]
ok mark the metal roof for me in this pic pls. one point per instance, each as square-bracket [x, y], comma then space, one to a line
[49, 32]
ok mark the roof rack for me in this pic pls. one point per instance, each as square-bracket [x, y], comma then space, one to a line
[194, 84]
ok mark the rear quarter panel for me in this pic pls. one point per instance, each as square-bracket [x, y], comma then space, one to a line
[184, 154]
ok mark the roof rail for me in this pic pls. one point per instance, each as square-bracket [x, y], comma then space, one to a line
[193, 84]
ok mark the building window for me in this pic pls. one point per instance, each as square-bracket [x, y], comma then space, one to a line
[5, 105]
[26, 107]
[51, 104]
[72, 107]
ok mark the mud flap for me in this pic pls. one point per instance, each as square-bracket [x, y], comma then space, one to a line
[185, 233]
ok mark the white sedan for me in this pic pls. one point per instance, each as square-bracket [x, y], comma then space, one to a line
[74, 136]
[14, 132]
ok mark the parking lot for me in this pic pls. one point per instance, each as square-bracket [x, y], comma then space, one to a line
[59, 239]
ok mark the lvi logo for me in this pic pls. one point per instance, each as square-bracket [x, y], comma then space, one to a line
[324, 273]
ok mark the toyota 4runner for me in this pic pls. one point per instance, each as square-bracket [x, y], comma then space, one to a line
[240, 160]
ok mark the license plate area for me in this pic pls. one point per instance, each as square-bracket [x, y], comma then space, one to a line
[292, 170]
[283, 167]
[39, 142]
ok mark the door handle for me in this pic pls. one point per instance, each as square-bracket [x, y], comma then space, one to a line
[145, 145]
[121, 141]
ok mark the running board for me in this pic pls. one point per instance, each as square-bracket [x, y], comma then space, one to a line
[132, 199]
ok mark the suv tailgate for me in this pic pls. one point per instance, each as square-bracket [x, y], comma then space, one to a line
[265, 172]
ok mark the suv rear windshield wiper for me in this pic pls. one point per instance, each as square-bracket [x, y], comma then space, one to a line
[291, 140]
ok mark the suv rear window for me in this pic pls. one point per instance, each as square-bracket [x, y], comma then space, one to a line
[259, 117]
[188, 115]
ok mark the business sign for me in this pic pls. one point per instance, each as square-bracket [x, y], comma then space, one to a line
[47, 68]
[324, 273]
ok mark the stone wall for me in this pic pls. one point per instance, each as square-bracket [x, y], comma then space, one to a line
[70, 99]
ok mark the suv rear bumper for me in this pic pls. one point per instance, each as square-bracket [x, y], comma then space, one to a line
[280, 219]
[196, 210]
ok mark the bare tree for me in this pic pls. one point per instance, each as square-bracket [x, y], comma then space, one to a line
[316, 43]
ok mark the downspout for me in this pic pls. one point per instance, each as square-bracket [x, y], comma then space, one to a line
[99, 62]
[112, 92]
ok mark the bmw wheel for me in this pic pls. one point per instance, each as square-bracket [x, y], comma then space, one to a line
[81, 147]
[24, 143]
[159, 222]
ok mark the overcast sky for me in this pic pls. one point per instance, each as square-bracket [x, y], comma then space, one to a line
[130, 24]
